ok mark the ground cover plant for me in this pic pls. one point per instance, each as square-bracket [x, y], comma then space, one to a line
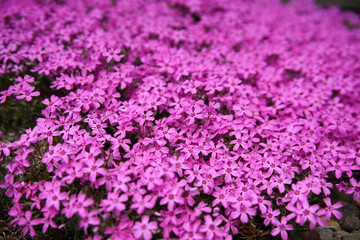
[187, 119]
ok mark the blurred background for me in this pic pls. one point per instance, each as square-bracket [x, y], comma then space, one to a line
[353, 5]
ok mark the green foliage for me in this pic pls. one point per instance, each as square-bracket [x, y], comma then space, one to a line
[18, 115]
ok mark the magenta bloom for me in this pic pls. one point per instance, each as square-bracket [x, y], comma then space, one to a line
[330, 209]
[270, 216]
[4, 149]
[144, 228]
[89, 218]
[196, 114]
[211, 227]
[114, 202]
[355, 189]
[141, 203]
[28, 223]
[94, 168]
[282, 227]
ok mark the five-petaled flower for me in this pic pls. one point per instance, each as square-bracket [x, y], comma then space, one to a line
[145, 229]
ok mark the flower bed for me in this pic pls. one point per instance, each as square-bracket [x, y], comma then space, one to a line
[179, 119]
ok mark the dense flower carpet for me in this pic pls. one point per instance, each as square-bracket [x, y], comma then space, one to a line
[190, 119]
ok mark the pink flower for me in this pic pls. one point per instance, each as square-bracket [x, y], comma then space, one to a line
[120, 142]
[89, 218]
[270, 215]
[194, 114]
[145, 117]
[304, 212]
[298, 194]
[113, 54]
[10, 185]
[141, 203]
[338, 167]
[166, 64]
[211, 227]
[171, 199]
[355, 189]
[182, 112]
[243, 209]
[282, 227]
[81, 204]
[201, 208]
[221, 195]
[330, 209]
[191, 230]
[343, 186]
[94, 168]
[48, 220]
[28, 93]
[114, 202]
[4, 149]
[144, 228]
[28, 223]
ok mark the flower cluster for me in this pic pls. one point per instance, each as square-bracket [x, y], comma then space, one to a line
[180, 119]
